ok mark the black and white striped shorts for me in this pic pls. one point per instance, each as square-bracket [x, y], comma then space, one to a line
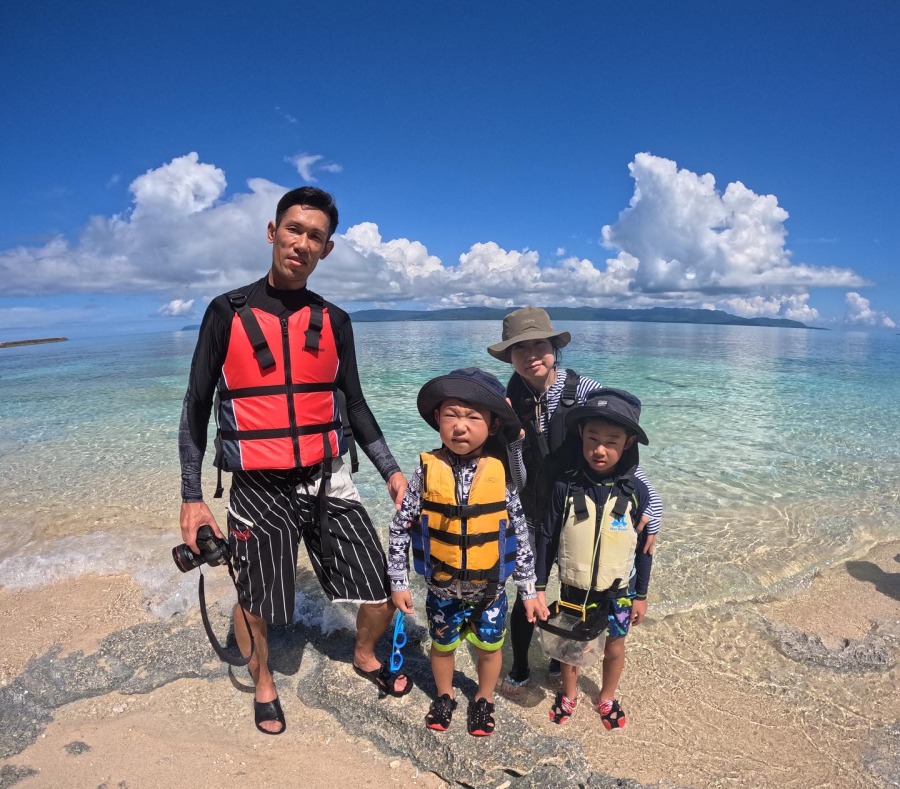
[267, 513]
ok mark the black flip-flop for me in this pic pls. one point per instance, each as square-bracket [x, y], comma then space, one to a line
[269, 711]
[384, 680]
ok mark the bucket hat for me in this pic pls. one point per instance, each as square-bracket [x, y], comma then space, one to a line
[528, 323]
[475, 386]
[612, 405]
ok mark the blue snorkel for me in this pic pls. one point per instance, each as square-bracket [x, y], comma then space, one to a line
[398, 642]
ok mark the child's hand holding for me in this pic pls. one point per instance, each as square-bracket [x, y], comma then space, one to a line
[403, 601]
[531, 609]
[638, 611]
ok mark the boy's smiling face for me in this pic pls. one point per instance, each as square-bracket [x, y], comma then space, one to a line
[603, 444]
[464, 427]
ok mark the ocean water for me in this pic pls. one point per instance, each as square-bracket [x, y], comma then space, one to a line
[775, 450]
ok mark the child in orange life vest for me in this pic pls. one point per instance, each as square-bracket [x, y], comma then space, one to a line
[592, 529]
[468, 533]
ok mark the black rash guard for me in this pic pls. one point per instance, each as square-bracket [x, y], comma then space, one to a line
[206, 369]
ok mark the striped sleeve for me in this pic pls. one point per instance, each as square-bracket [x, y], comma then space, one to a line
[654, 503]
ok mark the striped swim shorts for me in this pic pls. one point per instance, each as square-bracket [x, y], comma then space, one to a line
[268, 511]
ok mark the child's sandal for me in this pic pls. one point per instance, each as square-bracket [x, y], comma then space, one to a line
[612, 715]
[441, 713]
[563, 708]
[481, 718]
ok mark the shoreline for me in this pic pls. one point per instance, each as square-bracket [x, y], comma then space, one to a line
[782, 693]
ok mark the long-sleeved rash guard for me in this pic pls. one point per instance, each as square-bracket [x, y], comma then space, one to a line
[206, 369]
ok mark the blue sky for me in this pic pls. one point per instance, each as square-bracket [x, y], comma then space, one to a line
[737, 156]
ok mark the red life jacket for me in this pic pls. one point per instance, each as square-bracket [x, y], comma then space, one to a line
[277, 398]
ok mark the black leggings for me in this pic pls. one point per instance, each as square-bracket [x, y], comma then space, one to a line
[521, 631]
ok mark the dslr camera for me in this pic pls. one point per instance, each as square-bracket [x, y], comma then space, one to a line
[213, 551]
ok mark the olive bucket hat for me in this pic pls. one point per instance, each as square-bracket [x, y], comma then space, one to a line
[475, 386]
[611, 405]
[528, 323]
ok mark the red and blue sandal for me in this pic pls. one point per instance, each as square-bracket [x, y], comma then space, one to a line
[611, 714]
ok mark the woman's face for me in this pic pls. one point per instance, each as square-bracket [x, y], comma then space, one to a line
[533, 360]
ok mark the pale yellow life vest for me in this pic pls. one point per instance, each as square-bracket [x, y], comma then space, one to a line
[607, 543]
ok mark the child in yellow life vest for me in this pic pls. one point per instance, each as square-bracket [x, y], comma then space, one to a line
[468, 533]
[591, 528]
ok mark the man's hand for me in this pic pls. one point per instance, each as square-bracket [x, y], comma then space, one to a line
[193, 515]
[396, 486]
[638, 611]
[403, 601]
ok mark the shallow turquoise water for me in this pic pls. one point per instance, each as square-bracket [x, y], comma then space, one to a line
[775, 450]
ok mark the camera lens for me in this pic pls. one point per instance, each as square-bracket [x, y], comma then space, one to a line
[185, 559]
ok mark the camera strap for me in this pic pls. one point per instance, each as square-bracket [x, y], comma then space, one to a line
[224, 656]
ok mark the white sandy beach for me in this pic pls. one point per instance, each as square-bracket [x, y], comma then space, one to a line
[711, 702]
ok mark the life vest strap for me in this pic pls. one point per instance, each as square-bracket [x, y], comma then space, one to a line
[463, 510]
[491, 575]
[255, 334]
[278, 432]
[277, 389]
[314, 330]
[466, 540]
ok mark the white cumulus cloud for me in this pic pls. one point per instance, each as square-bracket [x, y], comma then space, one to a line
[177, 308]
[859, 311]
[679, 242]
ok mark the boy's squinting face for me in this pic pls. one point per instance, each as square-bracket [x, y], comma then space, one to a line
[603, 444]
[463, 427]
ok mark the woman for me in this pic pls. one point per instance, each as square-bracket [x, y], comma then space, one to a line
[541, 392]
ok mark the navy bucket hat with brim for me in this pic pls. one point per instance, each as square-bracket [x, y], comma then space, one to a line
[474, 386]
[610, 405]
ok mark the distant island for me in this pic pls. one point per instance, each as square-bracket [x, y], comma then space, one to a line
[650, 315]
[16, 343]
[192, 327]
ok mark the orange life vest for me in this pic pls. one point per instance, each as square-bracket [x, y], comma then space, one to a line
[279, 410]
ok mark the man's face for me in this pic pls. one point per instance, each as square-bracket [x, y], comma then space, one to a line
[298, 244]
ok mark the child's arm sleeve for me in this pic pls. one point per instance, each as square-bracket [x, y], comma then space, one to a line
[643, 562]
[517, 472]
[523, 575]
[398, 535]
[654, 506]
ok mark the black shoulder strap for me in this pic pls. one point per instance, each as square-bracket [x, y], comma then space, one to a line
[257, 339]
[314, 330]
[570, 389]
[623, 491]
[556, 431]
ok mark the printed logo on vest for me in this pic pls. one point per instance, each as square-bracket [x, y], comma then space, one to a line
[618, 524]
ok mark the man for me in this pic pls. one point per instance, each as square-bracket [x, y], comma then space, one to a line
[280, 361]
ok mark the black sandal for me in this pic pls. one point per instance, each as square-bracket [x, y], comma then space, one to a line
[441, 713]
[481, 718]
[384, 680]
[268, 711]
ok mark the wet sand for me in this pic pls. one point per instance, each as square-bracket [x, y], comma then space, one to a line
[758, 695]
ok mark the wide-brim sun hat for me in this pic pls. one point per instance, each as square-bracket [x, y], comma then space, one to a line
[527, 323]
[610, 405]
[474, 386]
